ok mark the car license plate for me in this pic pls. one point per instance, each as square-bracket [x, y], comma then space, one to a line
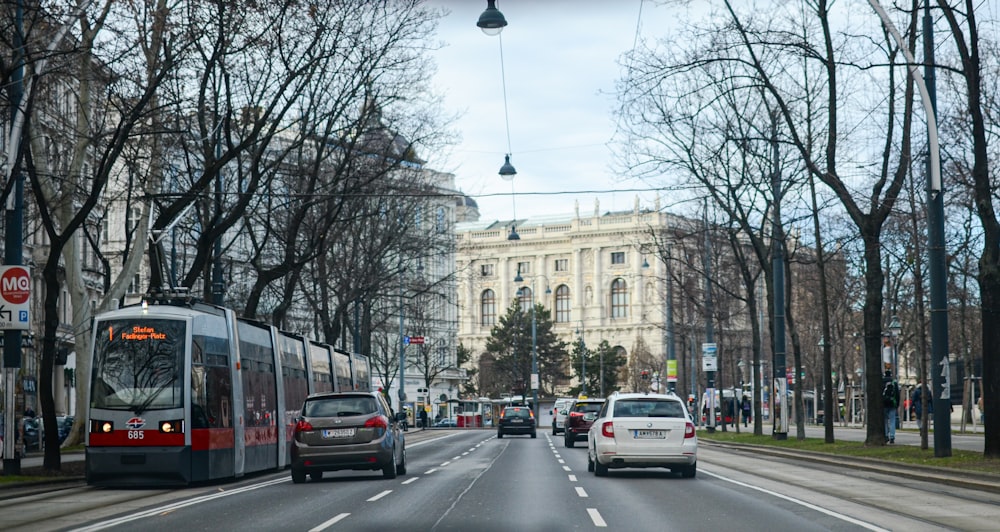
[517, 420]
[338, 433]
[650, 434]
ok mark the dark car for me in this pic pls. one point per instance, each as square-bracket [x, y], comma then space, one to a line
[31, 433]
[580, 416]
[516, 420]
[352, 430]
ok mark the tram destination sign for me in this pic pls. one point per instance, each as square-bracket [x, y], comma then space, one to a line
[15, 297]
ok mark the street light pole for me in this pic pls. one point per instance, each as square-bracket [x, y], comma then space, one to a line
[534, 345]
[583, 362]
[941, 385]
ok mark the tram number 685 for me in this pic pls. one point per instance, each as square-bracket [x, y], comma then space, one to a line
[135, 434]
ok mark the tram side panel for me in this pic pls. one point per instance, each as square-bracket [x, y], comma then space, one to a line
[342, 380]
[361, 372]
[214, 399]
[295, 381]
[259, 377]
[319, 362]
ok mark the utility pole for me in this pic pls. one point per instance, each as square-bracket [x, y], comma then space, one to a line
[13, 247]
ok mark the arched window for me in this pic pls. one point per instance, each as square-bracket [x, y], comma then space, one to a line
[562, 304]
[524, 297]
[619, 298]
[489, 308]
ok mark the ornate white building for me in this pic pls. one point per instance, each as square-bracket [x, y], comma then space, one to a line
[597, 272]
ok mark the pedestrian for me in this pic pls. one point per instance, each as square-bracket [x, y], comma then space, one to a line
[746, 407]
[890, 403]
[423, 418]
[28, 412]
[982, 416]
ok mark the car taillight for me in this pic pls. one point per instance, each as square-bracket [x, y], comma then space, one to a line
[377, 422]
[608, 429]
[576, 414]
[688, 430]
[303, 425]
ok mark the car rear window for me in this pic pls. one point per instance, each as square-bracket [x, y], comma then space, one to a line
[340, 406]
[516, 412]
[648, 408]
[587, 407]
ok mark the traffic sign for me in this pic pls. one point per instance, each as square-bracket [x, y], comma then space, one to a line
[15, 293]
[416, 339]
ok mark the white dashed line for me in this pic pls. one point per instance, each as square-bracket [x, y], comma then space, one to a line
[567, 468]
[445, 464]
[327, 524]
[595, 516]
[572, 478]
[581, 492]
[379, 496]
[410, 480]
[429, 471]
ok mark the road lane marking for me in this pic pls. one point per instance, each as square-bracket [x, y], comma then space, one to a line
[182, 504]
[429, 471]
[595, 516]
[800, 502]
[572, 478]
[567, 468]
[453, 458]
[445, 464]
[326, 524]
[581, 492]
[410, 480]
[379, 496]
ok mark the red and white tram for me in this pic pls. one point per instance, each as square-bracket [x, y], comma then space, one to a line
[184, 391]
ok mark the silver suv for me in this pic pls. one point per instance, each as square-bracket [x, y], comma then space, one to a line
[353, 430]
[642, 430]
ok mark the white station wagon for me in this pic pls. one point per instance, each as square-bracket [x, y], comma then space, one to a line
[643, 430]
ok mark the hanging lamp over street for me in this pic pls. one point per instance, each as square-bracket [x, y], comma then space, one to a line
[507, 171]
[491, 21]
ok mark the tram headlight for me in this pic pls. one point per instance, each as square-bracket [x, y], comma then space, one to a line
[172, 426]
[101, 426]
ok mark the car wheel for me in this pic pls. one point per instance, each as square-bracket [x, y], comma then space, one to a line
[689, 471]
[499, 435]
[389, 469]
[401, 467]
[600, 469]
[590, 463]
[316, 475]
[569, 440]
[534, 434]
[298, 476]
[554, 429]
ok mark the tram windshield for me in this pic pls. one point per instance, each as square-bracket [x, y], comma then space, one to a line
[138, 365]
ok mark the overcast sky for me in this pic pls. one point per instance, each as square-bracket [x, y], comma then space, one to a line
[561, 64]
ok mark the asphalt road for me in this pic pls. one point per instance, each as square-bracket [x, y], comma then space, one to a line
[470, 480]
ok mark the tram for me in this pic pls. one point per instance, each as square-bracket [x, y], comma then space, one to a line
[182, 391]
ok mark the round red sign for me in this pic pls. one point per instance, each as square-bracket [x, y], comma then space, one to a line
[15, 286]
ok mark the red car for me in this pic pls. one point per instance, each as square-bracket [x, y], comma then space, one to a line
[582, 414]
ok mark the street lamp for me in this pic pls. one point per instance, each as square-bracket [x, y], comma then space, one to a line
[583, 361]
[895, 328]
[534, 342]
[491, 21]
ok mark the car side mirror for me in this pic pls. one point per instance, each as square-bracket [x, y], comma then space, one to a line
[401, 416]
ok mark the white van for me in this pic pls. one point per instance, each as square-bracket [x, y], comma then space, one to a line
[558, 412]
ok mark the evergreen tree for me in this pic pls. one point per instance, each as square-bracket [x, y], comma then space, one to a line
[510, 346]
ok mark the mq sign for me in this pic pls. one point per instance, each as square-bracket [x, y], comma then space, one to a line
[15, 294]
